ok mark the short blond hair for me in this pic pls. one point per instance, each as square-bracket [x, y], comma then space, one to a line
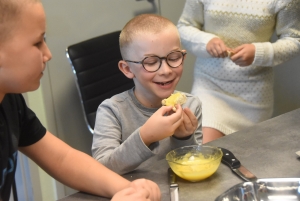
[10, 10]
[141, 24]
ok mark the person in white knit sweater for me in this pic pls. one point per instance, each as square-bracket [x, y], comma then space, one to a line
[233, 74]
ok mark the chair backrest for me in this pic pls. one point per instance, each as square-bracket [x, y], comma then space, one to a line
[95, 66]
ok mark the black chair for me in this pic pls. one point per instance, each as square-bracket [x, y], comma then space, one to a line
[95, 66]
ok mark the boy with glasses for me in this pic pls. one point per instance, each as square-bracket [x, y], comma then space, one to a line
[23, 57]
[133, 128]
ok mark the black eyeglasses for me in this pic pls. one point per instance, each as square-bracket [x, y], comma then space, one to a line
[153, 63]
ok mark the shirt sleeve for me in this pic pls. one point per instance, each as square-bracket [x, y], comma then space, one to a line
[108, 148]
[190, 28]
[31, 129]
[198, 135]
[195, 105]
[288, 33]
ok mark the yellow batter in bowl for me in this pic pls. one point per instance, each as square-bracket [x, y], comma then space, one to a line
[194, 163]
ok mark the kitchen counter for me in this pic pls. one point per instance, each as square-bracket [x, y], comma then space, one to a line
[266, 149]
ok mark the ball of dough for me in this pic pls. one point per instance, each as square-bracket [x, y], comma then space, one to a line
[174, 99]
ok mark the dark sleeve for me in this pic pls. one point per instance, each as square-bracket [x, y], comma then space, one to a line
[31, 129]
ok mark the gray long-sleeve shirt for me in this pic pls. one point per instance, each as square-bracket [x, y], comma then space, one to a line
[116, 141]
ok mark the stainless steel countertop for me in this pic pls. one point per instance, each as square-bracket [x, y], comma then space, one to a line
[266, 149]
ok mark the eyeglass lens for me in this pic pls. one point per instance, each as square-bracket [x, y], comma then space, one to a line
[152, 63]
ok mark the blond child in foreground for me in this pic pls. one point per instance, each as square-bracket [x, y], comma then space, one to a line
[23, 57]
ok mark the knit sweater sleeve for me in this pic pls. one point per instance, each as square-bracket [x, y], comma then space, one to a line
[288, 32]
[190, 28]
[108, 148]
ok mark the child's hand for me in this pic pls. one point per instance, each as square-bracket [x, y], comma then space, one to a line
[217, 48]
[149, 186]
[129, 194]
[244, 55]
[139, 190]
[188, 125]
[159, 126]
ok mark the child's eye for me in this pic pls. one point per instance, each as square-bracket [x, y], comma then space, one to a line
[151, 61]
[38, 44]
[173, 58]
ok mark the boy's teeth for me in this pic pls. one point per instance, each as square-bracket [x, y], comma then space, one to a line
[163, 83]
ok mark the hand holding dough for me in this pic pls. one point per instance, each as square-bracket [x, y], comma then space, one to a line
[177, 98]
[230, 53]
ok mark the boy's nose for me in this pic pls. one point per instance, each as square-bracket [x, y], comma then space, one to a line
[165, 68]
[47, 54]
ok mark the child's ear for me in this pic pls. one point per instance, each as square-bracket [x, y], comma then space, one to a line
[123, 66]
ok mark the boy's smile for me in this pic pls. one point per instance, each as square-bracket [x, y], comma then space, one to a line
[164, 83]
[152, 87]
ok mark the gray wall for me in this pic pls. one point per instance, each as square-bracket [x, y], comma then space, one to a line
[287, 86]
[72, 21]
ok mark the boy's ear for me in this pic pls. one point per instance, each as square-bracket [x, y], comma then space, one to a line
[123, 66]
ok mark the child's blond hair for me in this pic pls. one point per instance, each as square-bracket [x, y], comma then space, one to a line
[144, 23]
[9, 12]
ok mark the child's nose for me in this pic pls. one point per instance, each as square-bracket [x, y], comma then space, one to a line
[47, 54]
[165, 68]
